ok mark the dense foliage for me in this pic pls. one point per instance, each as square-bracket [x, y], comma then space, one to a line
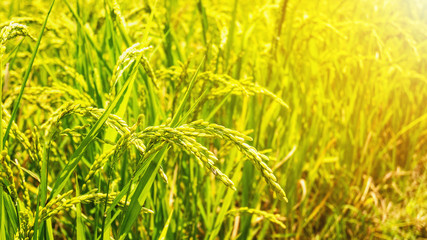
[191, 119]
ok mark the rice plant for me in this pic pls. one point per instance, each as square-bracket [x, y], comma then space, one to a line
[283, 119]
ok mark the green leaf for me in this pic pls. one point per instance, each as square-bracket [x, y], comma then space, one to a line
[141, 192]
[79, 223]
[180, 110]
[11, 225]
[2, 216]
[166, 227]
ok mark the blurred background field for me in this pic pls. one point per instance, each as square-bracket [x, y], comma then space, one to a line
[333, 92]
